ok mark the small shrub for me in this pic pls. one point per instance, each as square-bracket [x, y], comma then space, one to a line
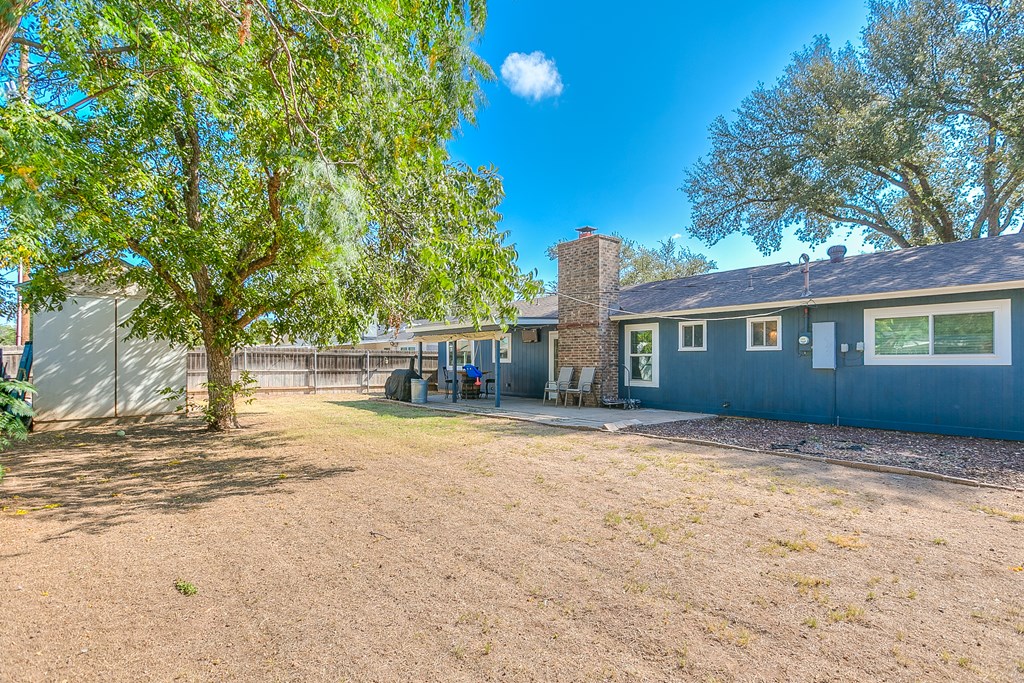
[15, 412]
[186, 588]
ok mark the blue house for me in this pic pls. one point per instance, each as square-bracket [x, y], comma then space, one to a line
[927, 339]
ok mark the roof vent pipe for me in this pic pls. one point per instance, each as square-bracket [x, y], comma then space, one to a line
[805, 268]
[586, 231]
[836, 253]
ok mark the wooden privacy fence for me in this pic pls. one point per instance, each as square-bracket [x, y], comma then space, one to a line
[296, 368]
[12, 358]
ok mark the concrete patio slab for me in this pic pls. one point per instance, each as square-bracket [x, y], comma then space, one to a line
[535, 410]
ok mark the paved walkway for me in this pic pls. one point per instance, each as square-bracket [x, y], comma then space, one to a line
[535, 410]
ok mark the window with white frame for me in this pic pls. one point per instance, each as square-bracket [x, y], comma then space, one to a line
[461, 353]
[642, 354]
[502, 348]
[693, 336]
[764, 334]
[964, 333]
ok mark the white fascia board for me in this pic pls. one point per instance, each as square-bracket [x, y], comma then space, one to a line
[457, 325]
[812, 300]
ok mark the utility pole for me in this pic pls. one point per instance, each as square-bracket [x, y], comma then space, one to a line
[22, 325]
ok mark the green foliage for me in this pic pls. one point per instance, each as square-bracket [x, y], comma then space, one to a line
[7, 334]
[641, 263]
[15, 412]
[261, 171]
[914, 137]
[186, 588]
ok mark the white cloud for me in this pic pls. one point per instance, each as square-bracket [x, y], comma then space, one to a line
[677, 235]
[532, 76]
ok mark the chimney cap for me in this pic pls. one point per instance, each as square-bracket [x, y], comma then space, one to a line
[586, 231]
[836, 253]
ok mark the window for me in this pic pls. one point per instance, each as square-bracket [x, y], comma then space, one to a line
[504, 348]
[692, 336]
[460, 353]
[764, 334]
[967, 333]
[642, 355]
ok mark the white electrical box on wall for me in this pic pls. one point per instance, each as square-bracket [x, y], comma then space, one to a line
[823, 354]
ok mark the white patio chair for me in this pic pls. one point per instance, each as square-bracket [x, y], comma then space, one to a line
[584, 386]
[555, 388]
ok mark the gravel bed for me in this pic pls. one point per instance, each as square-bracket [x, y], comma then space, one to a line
[985, 460]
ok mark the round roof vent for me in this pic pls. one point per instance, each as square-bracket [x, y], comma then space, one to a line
[836, 253]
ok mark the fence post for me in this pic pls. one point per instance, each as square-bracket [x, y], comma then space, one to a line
[367, 390]
[314, 370]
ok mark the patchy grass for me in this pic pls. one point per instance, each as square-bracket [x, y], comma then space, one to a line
[848, 613]
[788, 545]
[402, 542]
[1013, 517]
[851, 542]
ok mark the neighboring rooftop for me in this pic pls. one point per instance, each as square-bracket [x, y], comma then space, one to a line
[541, 307]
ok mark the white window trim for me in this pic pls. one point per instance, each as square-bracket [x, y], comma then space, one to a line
[496, 348]
[704, 336]
[653, 327]
[764, 319]
[453, 352]
[1002, 339]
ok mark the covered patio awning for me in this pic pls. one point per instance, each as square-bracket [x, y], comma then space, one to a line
[455, 332]
[474, 335]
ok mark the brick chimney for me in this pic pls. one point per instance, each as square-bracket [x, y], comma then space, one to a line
[588, 288]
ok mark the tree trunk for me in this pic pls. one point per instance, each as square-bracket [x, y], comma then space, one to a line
[10, 21]
[221, 395]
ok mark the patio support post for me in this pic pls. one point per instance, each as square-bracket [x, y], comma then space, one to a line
[449, 355]
[419, 358]
[497, 373]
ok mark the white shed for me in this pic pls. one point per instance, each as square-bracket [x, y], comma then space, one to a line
[84, 366]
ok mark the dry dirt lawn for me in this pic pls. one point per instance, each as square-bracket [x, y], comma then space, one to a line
[339, 539]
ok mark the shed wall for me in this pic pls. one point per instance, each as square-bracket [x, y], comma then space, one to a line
[73, 368]
[85, 367]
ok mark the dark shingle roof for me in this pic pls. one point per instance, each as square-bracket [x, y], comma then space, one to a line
[958, 264]
[541, 307]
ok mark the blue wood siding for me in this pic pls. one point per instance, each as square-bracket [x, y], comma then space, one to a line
[727, 379]
[528, 371]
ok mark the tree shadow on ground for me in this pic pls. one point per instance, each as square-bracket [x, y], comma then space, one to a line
[94, 480]
[386, 408]
[495, 423]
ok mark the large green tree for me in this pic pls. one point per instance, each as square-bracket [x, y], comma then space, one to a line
[260, 170]
[913, 137]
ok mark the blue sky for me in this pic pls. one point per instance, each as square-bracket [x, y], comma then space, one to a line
[639, 86]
